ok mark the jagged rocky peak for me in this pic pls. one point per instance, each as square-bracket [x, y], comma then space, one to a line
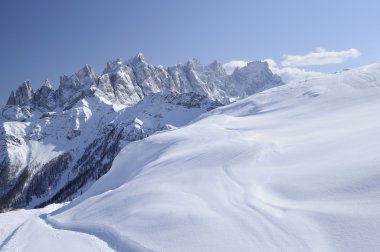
[113, 65]
[87, 72]
[45, 97]
[11, 99]
[148, 78]
[254, 67]
[118, 83]
[47, 85]
[137, 61]
[258, 65]
[72, 88]
[44, 90]
[22, 96]
[193, 63]
[217, 67]
[85, 76]
[139, 58]
[256, 77]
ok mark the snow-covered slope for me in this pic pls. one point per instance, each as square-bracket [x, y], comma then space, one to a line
[25, 230]
[293, 168]
[56, 143]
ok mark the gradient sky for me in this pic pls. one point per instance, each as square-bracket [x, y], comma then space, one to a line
[44, 39]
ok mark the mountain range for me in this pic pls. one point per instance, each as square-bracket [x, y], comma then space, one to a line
[56, 142]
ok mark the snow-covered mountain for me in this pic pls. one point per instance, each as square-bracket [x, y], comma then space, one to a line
[293, 168]
[56, 143]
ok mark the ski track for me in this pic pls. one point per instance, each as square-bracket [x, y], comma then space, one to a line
[9, 237]
[52, 238]
[106, 234]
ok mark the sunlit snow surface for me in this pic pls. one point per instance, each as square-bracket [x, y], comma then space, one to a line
[26, 230]
[294, 168]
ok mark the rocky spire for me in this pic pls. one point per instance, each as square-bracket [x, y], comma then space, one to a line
[11, 99]
[216, 66]
[113, 66]
[255, 77]
[139, 59]
[22, 96]
[71, 88]
[44, 97]
[47, 84]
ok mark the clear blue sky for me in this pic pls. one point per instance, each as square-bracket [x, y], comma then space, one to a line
[43, 39]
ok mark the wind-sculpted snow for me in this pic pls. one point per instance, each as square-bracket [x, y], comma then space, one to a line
[294, 168]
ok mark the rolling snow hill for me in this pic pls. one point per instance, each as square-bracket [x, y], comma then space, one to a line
[293, 168]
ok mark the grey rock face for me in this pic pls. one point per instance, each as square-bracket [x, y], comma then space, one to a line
[118, 83]
[22, 96]
[255, 77]
[76, 86]
[45, 97]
